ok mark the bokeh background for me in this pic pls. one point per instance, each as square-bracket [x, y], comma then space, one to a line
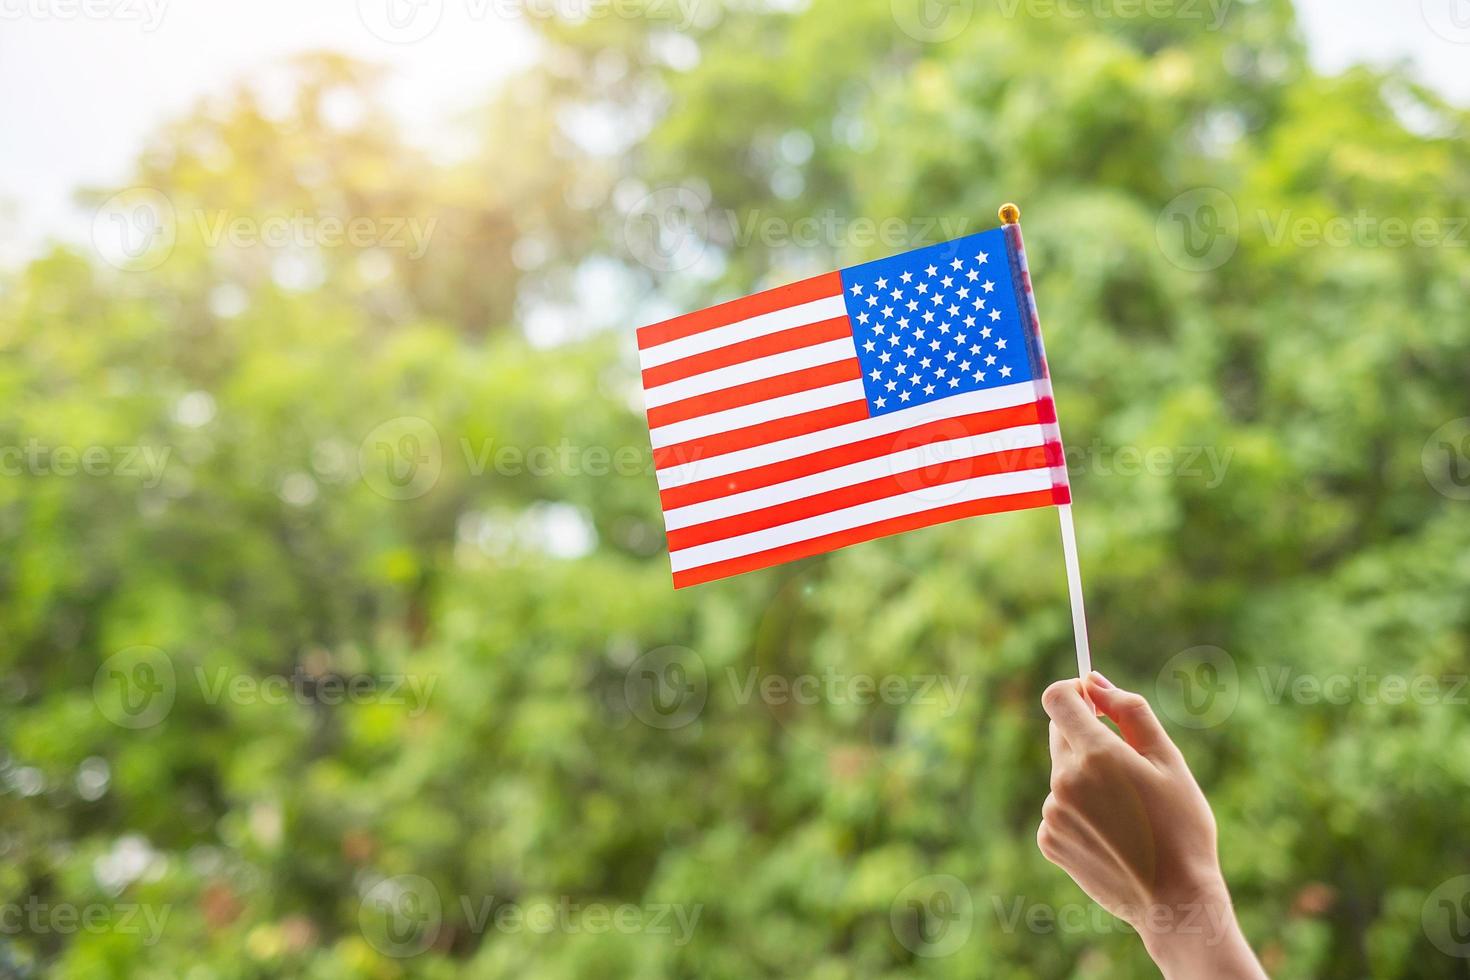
[337, 634]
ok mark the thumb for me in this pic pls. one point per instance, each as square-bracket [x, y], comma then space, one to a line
[1135, 719]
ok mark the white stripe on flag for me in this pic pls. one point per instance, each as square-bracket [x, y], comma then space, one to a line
[997, 485]
[742, 330]
[764, 411]
[756, 369]
[937, 453]
[840, 435]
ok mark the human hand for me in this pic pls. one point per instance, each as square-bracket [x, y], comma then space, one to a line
[1126, 819]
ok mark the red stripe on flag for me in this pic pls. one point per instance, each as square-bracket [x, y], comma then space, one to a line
[841, 539]
[762, 432]
[748, 350]
[934, 475]
[978, 423]
[806, 291]
[756, 391]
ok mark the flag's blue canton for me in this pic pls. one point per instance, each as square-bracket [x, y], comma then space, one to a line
[937, 321]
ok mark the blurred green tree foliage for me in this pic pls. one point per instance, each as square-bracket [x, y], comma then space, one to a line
[431, 470]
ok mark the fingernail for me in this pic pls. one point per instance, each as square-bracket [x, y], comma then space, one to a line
[1100, 680]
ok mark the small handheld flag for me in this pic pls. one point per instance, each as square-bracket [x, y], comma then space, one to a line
[885, 397]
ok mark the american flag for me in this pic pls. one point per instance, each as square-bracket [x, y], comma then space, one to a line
[881, 398]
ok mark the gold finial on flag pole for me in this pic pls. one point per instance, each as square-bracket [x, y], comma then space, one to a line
[1009, 214]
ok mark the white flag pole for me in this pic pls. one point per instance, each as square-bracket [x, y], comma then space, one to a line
[1010, 219]
[1074, 588]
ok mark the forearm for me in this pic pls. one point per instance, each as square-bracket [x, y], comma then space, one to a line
[1200, 940]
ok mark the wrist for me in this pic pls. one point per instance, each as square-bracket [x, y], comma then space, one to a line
[1195, 934]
